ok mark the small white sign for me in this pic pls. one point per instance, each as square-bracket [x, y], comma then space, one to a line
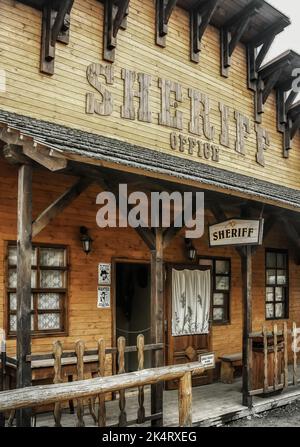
[207, 360]
[103, 297]
[236, 232]
[104, 274]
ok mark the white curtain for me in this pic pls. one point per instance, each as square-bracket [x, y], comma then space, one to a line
[191, 291]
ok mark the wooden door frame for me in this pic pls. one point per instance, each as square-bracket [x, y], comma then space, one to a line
[168, 294]
[114, 262]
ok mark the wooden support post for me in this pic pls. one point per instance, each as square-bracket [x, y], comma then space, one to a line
[185, 400]
[294, 344]
[80, 376]
[285, 341]
[265, 335]
[140, 350]
[157, 322]
[247, 324]
[275, 335]
[24, 250]
[57, 352]
[101, 372]
[121, 370]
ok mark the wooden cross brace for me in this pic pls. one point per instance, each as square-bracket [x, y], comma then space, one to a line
[164, 9]
[55, 28]
[115, 18]
[232, 32]
[200, 18]
[255, 58]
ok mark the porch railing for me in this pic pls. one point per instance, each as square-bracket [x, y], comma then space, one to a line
[98, 387]
[79, 357]
[277, 341]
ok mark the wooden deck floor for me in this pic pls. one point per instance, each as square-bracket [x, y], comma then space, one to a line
[213, 405]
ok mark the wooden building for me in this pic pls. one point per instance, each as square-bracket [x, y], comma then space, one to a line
[160, 95]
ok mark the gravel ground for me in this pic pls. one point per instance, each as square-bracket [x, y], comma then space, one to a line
[288, 416]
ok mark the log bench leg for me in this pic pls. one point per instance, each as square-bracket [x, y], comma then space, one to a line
[227, 372]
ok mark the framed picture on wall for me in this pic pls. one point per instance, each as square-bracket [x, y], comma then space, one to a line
[104, 274]
[103, 297]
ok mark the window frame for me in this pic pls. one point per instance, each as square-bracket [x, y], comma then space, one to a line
[64, 302]
[286, 286]
[226, 293]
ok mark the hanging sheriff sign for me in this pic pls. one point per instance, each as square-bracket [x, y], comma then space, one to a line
[236, 232]
[194, 135]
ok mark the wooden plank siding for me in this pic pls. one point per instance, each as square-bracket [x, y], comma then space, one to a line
[61, 98]
[88, 322]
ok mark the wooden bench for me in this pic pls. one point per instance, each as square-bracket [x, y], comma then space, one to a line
[228, 364]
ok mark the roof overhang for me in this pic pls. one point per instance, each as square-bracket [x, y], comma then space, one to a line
[63, 143]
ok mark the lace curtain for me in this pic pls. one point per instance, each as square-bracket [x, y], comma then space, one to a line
[191, 292]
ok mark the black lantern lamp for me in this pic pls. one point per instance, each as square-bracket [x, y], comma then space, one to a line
[191, 251]
[86, 240]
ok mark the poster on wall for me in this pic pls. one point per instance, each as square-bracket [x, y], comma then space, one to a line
[103, 297]
[104, 274]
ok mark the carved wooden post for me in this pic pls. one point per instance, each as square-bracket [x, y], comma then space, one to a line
[247, 324]
[24, 249]
[80, 376]
[185, 400]
[57, 351]
[101, 359]
[157, 323]
[121, 363]
[140, 350]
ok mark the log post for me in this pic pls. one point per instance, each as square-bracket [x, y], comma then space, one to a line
[101, 373]
[24, 249]
[185, 400]
[157, 322]
[247, 324]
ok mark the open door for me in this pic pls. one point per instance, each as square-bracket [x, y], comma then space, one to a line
[188, 312]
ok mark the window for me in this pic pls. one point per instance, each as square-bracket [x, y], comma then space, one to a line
[277, 279]
[49, 289]
[221, 274]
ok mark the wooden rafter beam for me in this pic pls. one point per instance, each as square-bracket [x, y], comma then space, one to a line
[115, 18]
[59, 205]
[232, 32]
[164, 9]
[55, 27]
[200, 18]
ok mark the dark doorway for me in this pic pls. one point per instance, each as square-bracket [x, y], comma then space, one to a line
[133, 293]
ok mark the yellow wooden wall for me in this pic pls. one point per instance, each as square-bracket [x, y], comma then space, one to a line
[88, 322]
[61, 98]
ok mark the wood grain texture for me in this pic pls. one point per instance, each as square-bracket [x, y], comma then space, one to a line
[185, 400]
[47, 394]
[63, 98]
[57, 352]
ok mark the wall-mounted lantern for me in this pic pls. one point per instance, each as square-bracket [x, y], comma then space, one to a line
[191, 251]
[86, 240]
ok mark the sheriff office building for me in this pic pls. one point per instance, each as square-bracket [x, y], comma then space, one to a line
[158, 95]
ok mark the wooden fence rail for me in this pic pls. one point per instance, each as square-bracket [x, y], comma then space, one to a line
[62, 392]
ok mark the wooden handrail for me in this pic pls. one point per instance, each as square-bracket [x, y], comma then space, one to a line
[69, 354]
[61, 392]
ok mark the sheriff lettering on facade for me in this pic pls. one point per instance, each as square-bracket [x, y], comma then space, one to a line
[202, 139]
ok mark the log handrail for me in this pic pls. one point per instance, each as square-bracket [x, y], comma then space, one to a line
[89, 352]
[61, 392]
